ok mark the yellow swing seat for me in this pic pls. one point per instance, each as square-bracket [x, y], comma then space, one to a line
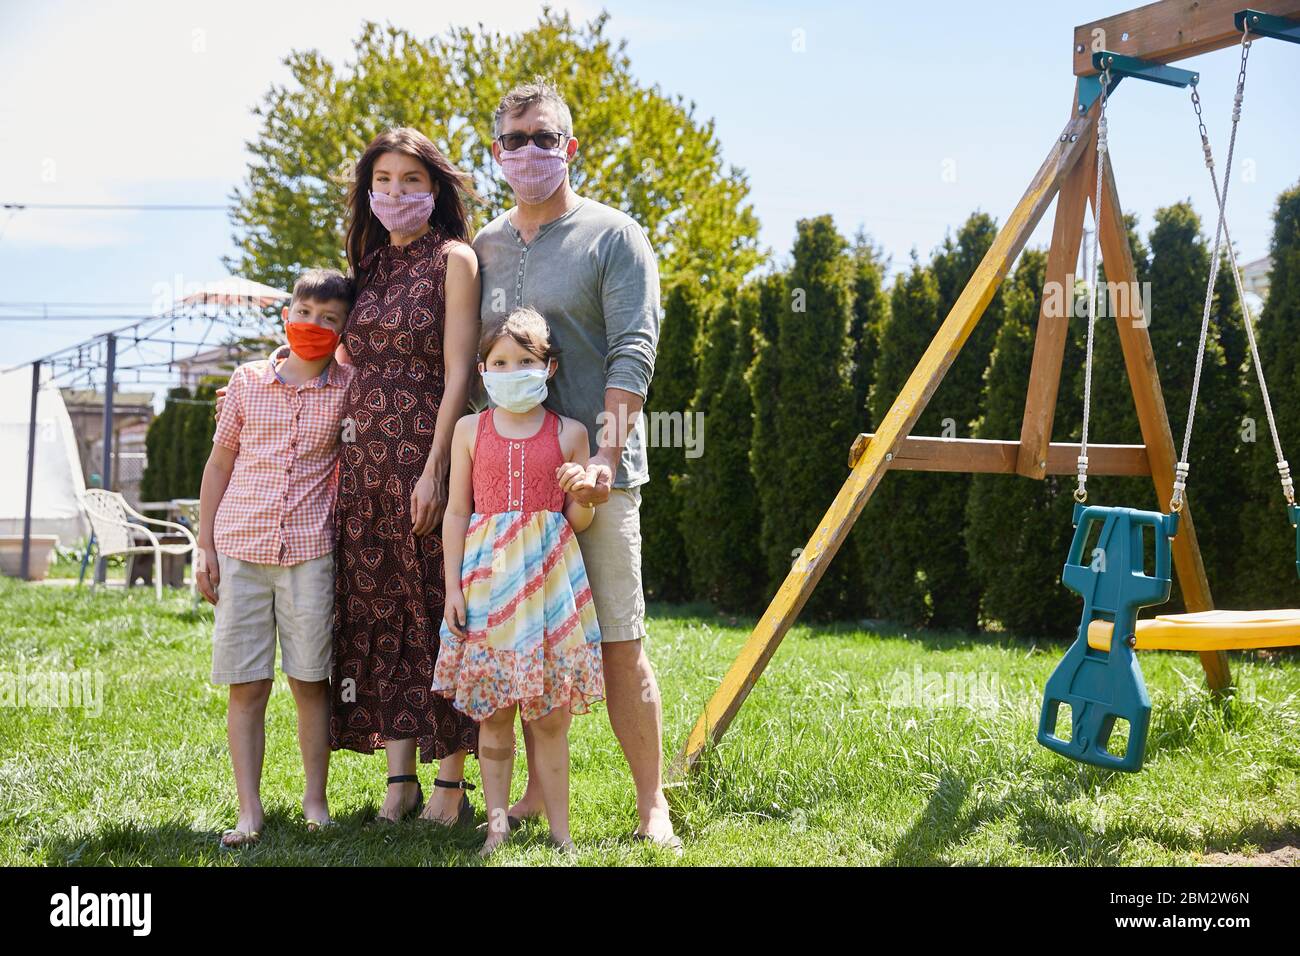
[1208, 631]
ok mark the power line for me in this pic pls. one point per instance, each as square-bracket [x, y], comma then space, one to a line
[114, 207]
[75, 305]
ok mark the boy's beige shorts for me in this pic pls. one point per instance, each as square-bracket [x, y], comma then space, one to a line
[611, 551]
[255, 601]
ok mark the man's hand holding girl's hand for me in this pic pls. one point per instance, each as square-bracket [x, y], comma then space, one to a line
[587, 486]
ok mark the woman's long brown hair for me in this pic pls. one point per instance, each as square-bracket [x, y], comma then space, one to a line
[365, 232]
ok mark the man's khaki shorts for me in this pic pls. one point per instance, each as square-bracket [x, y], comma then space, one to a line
[611, 550]
[255, 601]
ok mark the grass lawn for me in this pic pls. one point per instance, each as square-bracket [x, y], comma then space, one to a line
[856, 747]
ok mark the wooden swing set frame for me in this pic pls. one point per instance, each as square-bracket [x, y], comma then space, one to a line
[1160, 32]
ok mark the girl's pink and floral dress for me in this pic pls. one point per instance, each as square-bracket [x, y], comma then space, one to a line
[532, 637]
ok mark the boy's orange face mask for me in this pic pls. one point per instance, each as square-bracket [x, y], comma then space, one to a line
[310, 341]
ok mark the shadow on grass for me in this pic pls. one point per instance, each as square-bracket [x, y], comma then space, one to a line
[1265, 837]
[946, 822]
[284, 842]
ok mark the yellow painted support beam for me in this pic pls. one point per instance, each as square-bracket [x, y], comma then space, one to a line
[830, 533]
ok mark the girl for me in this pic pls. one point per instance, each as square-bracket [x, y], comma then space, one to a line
[519, 629]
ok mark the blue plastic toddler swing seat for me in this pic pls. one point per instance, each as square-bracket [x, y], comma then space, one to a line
[1102, 687]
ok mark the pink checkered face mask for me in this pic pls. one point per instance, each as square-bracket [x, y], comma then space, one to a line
[534, 173]
[402, 214]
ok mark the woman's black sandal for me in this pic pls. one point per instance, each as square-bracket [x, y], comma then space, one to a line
[419, 797]
[465, 812]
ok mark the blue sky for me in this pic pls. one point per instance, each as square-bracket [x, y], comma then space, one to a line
[150, 102]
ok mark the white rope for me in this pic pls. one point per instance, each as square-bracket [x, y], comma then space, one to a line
[1283, 466]
[1081, 491]
[1181, 469]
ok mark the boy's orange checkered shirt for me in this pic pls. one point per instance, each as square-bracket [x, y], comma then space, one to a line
[279, 505]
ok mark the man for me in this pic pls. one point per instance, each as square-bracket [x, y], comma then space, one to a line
[589, 269]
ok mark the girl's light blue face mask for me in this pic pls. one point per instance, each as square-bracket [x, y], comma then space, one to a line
[516, 391]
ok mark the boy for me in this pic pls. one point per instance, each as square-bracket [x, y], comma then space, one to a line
[266, 541]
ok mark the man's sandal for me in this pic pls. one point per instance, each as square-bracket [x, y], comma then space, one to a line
[246, 838]
[414, 810]
[464, 813]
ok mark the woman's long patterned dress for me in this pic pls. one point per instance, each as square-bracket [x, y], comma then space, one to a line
[388, 596]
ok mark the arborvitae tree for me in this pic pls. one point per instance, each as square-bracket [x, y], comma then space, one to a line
[870, 307]
[196, 427]
[954, 593]
[1266, 571]
[815, 423]
[1229, 461]
[164, 473]
[933, 572]
[891, 540]
[870, 310]
[1226, 323]
[766, 463]
[1114, 416]
[720, 514]
[663, 555]
[1180, 266]
[1018, 529]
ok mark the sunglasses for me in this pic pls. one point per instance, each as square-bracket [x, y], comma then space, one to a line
[544, 139]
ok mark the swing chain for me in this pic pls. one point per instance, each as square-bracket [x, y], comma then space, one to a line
[1182, 467]
[1081, 490]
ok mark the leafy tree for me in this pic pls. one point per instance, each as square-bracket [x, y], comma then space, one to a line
[641, 150]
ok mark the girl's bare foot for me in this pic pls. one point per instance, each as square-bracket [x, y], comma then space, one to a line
[527, 807]
[494, 840]
[564, 844]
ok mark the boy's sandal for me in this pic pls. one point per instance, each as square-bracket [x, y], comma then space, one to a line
[414, 810]
[464, 813]
[246, 838]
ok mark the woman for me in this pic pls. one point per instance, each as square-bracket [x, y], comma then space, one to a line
[412, 336]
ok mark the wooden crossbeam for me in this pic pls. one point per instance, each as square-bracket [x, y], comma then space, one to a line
[993, 457]
[1169, 30]
[834, 527]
